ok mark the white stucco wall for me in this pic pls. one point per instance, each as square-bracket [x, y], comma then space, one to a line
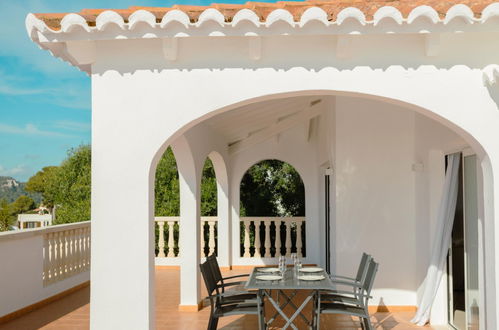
[141, 101]
[21, 270]
[383, 205]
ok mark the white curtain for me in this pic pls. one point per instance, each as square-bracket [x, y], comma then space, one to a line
[445, 222]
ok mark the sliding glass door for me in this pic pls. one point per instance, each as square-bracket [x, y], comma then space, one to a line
[462, 265]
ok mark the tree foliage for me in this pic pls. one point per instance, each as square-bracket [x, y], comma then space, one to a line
[6, 216]
[42, 182]
[66, 187]
[208, 190]
[71, 186]
[269, 188]
[22, 204]
[272, 188]
[166, 189]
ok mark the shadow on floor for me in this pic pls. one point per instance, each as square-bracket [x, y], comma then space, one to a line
[76, 303]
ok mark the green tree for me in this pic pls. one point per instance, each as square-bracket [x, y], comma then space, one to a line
[208, 190]
[22, 204]
[166, 188]
[42, 182]
[6, 216]
[71, 186]
[167, 191]
[272, 188]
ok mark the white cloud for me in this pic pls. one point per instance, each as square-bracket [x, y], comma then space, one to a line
[28, 129]
[17, 170]
[72, 125]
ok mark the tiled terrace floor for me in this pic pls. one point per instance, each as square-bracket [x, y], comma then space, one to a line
[72, 312]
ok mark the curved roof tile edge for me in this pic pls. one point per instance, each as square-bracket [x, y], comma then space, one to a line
[371, 10]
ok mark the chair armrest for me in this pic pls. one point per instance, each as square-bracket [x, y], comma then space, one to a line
[346, 283]
[351, 293]
[231, 284]
[343, 277]
[235, 276]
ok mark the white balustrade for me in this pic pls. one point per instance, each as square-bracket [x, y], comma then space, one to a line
[170, 241]
[254, 245]
[286, 246]
[66, 252]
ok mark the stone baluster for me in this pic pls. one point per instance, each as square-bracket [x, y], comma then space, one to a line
[72, 261]
[288, 238]
[46, 258]
[87, 248]
[211, 237]
[247, 253]
[171, 243]
[161, 239]
[257, 238]
[203, 242]
[277, 242]
[79, 248]
[298, 239]
[267, 244]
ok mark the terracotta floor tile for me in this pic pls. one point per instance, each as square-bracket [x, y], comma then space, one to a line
[72, 312]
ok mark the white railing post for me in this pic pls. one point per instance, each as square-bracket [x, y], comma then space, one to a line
[298, 239]
[161, 239]
[202, 239]
[247, 253]
[46, 259]
[277, 243]
[288, 238]
[171, 241]
[211, 237]
[257, 238]
[267, 244]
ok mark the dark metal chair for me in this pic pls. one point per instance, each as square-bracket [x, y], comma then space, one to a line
[352, 282]
[225, 304]
[354, 303]
[222, 281]
[361, 271]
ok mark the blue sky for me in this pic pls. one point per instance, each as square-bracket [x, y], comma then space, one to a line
[44, 102]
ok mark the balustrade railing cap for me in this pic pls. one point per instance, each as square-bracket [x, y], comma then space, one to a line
[24, 233]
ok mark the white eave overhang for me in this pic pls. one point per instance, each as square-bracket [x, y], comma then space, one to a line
[75, 33]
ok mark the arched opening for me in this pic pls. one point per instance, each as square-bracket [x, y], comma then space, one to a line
[272, 210]
[166, 206]
[350, 175]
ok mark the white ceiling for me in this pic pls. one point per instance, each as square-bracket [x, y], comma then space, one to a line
[241, 123]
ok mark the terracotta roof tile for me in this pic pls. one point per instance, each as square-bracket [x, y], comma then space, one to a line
[263, 9]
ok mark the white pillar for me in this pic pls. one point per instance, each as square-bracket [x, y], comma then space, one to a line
[224, 254]
[190, 225]
[490, 170]
[122, 271]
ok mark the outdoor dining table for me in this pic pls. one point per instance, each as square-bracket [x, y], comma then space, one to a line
[289, 282]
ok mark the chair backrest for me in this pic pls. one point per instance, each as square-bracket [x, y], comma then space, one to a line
[372, 269]
[215, 269]
[362, 270]
[209, 280]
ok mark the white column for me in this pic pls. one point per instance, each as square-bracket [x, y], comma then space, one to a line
[490, 170]
[122, 256]
[190, 225]
[224, 252]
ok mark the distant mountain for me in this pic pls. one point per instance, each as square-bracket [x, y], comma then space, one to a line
[10, 189]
